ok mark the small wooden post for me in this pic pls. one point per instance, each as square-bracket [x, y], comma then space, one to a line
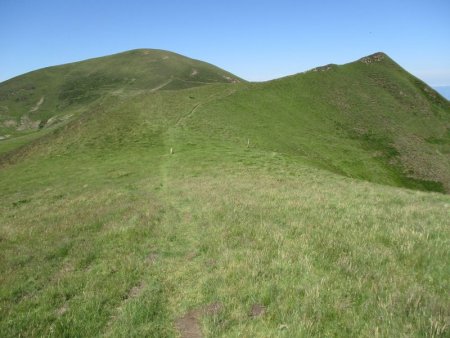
[171, 151]
[248, 143]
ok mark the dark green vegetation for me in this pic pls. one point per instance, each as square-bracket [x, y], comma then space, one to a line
[292, 206]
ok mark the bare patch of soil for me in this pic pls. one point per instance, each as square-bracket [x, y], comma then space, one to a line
[191, 255]
[62, 310]
[10, 123]
[212, 309]
[257, 310]
[189, 324]
[323, 68]
[136, 290]
[230, 79]
[27, 123]
[377, 57]
[152, 258]
[38, 105]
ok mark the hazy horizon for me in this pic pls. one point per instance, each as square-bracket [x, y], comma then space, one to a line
[443, 90]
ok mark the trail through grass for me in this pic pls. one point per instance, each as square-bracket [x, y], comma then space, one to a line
[275, 215]
[136, 242]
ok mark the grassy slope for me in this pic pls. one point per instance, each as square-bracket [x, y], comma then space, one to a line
[369, 121]
[63, 91]
[104, 233]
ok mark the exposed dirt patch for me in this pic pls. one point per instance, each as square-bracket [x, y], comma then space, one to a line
[62, 310]
[38, 105]
[152, 258]
[136, 290]
[57, 119]
[323, 68]
[230, 79]
[189, 324]
[10, 123]
[191, 255]
[257, 310]
[194, 72]
[377, 57]
[212, 309]
[27, 123]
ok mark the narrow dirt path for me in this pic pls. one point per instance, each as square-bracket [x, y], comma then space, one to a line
[161, 85]
[38, 105]
[208, 100]
[184, 117]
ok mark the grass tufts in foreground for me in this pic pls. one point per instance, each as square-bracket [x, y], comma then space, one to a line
[128, 251]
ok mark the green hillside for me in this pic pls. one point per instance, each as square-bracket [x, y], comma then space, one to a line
[168, 207]
[52, 95]
[368, 120]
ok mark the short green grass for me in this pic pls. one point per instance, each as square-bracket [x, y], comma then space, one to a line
[271, 197]
[125, 245]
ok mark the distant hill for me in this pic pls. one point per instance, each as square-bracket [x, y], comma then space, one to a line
[36, 99]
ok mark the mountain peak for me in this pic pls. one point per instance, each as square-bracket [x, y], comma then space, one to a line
[375, 57]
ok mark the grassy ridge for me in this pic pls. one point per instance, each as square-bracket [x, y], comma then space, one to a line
[368, 119]
[343, 120]
[276, 198]
[63, 91]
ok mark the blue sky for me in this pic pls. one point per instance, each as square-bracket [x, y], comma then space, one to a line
[255, 39]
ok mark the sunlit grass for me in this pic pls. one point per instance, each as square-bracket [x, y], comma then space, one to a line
[127, 254]
[259, 209]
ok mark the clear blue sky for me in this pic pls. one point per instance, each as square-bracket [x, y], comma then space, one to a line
[255, 39]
